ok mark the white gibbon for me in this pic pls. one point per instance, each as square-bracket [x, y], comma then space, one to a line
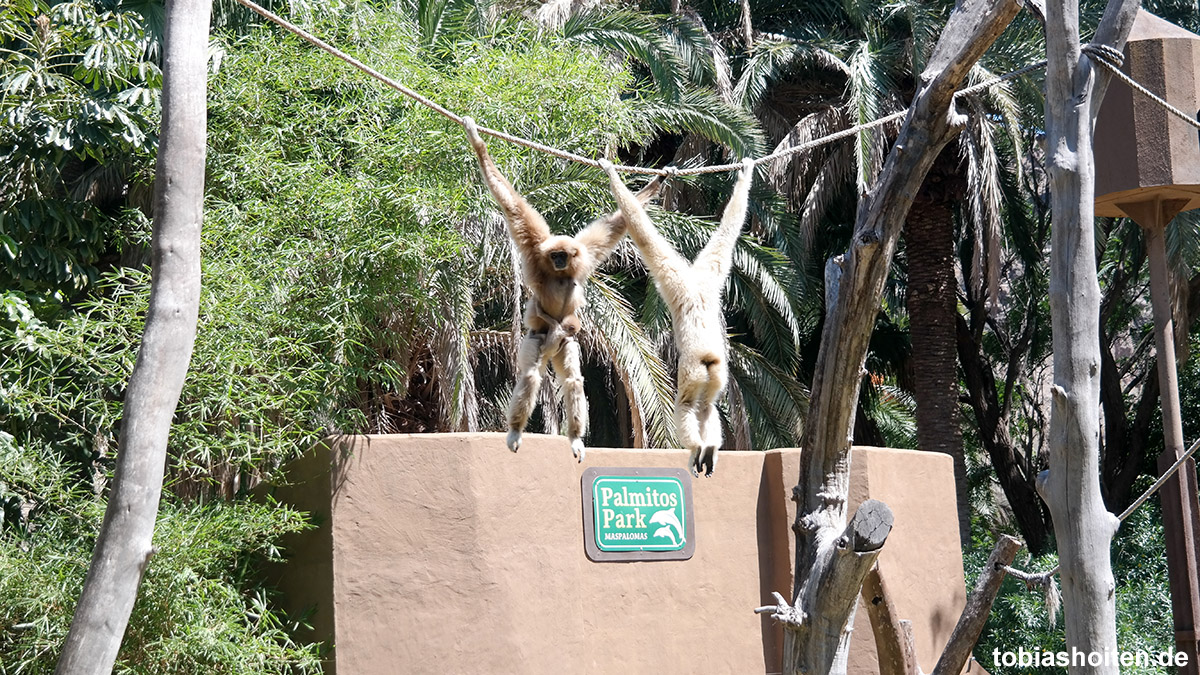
[693, 294]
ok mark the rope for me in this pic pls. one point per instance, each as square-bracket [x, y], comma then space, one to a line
[1045, 582]
[1039, 579]
[669, 172]
[1159, 483]
[1112, 61]
[817, 142]
[1104, 55]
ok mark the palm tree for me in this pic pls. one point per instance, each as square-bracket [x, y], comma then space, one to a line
[969, 173]
[822, 68]
[672, 61]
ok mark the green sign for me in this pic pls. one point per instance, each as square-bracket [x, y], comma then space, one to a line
[637, 514]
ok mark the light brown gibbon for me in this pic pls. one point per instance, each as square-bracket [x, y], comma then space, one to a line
[693, 294]
[554, 269]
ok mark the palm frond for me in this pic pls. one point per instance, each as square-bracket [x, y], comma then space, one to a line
[868, 87]
[924, 22]
[826, 120]
[774, 58]
[616, 333]
[830, 183]
[893, 411]
[774, 400]
[1183, 242]
[700, 52]
[637, 37]
[761, 286]
[704, 113]
[985, 202]
[552, 14]
[452, 353]
[1002, 100]
[446, 21]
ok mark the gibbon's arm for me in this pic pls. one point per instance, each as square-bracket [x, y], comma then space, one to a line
[525, 224]
[716, 257]
[664, 263]
[603, 234]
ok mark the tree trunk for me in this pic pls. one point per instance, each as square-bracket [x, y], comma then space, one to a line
[932, 293]
[123, 547]
[991, 417]
[1083, 527]
[1125, 440]
[829, 573]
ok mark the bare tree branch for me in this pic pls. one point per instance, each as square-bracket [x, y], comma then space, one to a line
[824, 474]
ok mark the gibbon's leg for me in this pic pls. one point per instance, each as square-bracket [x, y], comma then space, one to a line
[531, 366]
[570, 379]
[710, 418]
[692, 380]
[710, 432]
[687, 423]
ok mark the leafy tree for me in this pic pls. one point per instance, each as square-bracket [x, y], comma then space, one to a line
[200, 611]
[77, 116]
[356, 278]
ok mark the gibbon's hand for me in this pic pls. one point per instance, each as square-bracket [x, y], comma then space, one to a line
[747, 165]
[607, 166]
[472, 132]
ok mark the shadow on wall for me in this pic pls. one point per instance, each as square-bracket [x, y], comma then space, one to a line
[444, 553]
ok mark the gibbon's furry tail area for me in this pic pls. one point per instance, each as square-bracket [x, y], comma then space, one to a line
[554, 269]
[693, 293]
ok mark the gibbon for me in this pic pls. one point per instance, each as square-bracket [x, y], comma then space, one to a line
[554, 269]
[693, 294]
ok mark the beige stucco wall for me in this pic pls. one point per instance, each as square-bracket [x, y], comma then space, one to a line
[446, 553]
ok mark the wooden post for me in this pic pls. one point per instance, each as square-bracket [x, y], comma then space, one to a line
[894, 642]
[1181, 520]
[893, 635]
[979, 605]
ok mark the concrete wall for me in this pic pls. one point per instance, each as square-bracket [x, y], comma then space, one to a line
[447, 553]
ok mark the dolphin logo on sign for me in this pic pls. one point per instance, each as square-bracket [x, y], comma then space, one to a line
[668, 520]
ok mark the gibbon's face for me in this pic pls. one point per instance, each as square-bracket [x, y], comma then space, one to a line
[561, 253]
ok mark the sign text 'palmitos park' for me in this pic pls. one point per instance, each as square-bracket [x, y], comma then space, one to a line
[637, 514]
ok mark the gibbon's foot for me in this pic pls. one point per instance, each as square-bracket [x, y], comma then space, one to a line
[472, 132]
[703, 459]
[514, 439]
[577, 449]
[708, 459]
